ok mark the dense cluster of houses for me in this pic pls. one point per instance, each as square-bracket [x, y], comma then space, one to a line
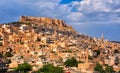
[39, 41]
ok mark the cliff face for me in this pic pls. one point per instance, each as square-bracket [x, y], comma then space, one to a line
[42, 19]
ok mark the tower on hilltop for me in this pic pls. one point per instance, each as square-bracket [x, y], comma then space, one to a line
[102, 36]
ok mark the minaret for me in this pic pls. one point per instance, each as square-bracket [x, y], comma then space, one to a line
[102, 36]
[21, 18]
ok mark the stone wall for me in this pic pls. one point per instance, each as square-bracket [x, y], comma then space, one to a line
[42, 19]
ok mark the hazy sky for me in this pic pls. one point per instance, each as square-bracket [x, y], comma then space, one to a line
[90, 17]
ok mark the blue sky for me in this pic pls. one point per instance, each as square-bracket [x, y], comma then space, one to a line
[67, 1]
[90, 17]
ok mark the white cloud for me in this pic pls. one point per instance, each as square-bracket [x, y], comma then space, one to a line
[95, 12]
[75, 16]
[98, 5]
[117, 10]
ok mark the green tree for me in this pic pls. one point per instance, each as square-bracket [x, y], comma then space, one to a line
[1, 44]
[24, 68]
[1, 55]
[71, 62]
[49, 68]
[116, 51]
[109, 69]
[3, 66]
[9, 60]
[8, 54]
[99, 68]
[90, 57]
[97, 53]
